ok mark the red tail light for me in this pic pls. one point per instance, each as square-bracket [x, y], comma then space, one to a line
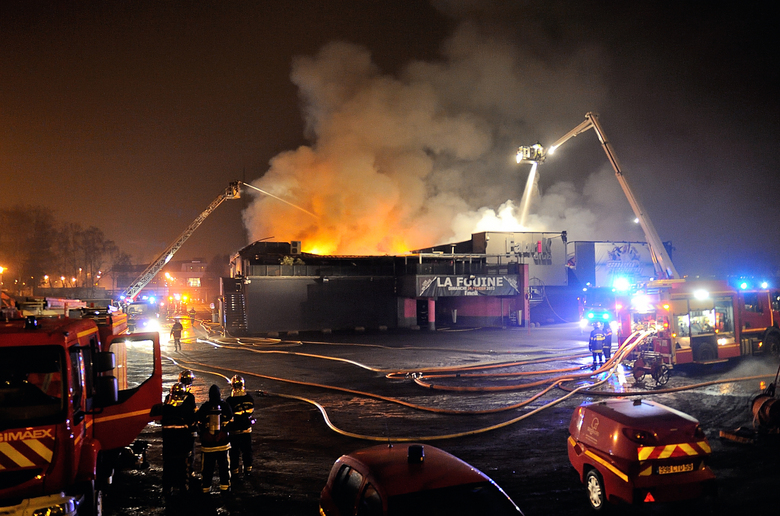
[640, 436]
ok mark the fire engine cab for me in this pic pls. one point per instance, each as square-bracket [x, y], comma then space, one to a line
[74, 391]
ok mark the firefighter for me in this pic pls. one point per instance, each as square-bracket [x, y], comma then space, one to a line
[213, 418]
[607, 342]
[186, 377]
[176, 334]
[596, 344]
[178, 415]
[243, 406]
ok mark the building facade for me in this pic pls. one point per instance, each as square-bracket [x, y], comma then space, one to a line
[273, 287]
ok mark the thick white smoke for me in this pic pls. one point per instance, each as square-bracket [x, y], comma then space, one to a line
[398, 163]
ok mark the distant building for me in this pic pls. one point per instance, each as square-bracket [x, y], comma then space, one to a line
[543, 252]
[602, 264]
[190, 280]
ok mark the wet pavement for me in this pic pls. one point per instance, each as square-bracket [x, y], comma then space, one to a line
[346, 375]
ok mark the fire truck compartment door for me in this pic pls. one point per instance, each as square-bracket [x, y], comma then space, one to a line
[702, 304]
[678, 306]
[139, 371]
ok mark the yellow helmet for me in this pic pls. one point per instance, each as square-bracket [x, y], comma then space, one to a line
[237, 382]
[178, 391]
[186, 377]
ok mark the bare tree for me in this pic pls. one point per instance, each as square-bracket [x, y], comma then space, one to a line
[26, 237]
[32, 245]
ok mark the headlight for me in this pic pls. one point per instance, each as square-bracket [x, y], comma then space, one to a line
[584, 323]
[151, 325]
[61, 509]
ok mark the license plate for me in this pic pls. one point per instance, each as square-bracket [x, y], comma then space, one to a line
[680, 468]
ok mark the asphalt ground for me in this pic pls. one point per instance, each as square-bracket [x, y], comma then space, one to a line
[345, 373]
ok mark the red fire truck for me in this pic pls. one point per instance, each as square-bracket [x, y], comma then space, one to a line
[74, 391]
[702, 321]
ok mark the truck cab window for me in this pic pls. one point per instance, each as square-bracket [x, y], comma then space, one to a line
[751, 302]
[77, 383]
[135, 363]
[31, 386]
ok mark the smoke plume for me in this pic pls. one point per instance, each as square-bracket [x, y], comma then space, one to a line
[426, 157]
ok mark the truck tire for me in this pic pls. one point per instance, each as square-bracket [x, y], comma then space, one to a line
[706, 352]
[92, 501]
[596, 495]
[772, 345]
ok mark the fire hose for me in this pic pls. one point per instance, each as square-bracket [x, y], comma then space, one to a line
[458, 372]
[766, 408]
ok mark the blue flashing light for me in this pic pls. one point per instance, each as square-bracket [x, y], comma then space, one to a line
[152, 299]
[591, 315]
[605, 316]
[622, 284]
[743, 285]
[764, 284]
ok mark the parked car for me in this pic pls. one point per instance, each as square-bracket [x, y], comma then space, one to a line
[638, 451]
[408, 480]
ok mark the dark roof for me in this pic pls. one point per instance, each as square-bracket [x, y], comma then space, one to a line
[391, 469]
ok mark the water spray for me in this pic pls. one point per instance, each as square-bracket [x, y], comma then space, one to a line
[531, 185]
[280, 199]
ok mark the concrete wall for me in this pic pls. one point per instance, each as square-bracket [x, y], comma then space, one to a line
[283, 304]
[478, 311]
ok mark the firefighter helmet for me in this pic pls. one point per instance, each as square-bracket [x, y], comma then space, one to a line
[186, 377]
[178, 391]
[237, 382]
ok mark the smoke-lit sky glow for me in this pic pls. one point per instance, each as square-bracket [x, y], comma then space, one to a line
[394, 123]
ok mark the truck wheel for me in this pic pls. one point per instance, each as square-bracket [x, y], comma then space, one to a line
[772, 344]
[596, 495]
[707, 352]
[92, 503]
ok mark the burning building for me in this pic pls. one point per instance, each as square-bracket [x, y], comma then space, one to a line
[490, 280]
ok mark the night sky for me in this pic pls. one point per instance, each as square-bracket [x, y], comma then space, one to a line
[399, 118]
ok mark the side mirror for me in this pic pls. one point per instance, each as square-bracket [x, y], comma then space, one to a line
[107, 390]
[104, 361]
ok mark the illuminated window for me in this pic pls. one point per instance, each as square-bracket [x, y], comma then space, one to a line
[193, 282]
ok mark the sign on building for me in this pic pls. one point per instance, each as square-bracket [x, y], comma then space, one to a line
[467, 285]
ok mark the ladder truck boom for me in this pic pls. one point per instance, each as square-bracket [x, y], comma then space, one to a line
[661, 259]
[231, 192]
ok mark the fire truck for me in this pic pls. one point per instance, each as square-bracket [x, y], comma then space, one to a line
[74, 391]
[703, 321]
[233, 191]
[600, 304]
[692, 321]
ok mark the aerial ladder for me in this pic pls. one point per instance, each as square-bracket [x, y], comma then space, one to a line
[537, 154]
[231, 192]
